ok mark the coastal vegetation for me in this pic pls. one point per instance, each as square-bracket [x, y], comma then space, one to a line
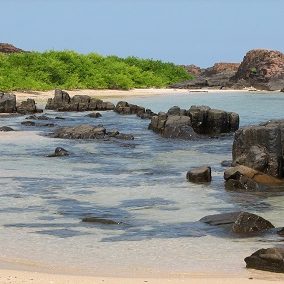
[71, 70]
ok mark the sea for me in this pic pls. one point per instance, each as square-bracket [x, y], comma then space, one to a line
[139, 184]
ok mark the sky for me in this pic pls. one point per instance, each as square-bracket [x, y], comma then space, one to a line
[200, 32]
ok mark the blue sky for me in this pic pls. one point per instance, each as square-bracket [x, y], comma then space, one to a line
[197, 32]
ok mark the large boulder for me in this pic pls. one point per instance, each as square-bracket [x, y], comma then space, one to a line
[239, 223]
[188, 124]
[63, 102]
[271, 259]
[27, 107]
[7, 103]
[261, 147]
[247, 179]
[262, 69]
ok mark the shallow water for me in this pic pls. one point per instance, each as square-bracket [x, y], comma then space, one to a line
[42, 200]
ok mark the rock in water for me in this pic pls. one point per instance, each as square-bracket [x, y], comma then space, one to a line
[197, 175]
[271, 259]
[59, 152]
[240, 223]
[94, 115]
[80, 132]
[7, 103]
[247, 223]
[190, 124]
[261, 147]
[98, 220]
[248, 179]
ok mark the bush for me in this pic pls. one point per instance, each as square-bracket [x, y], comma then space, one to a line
[70, 70]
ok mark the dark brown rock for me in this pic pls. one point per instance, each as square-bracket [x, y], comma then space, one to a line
[7, 103]
[261, 147]
[240, 223]
[198, 175]
[27, 107]
[271, 259]
[247, 179]
[94, 115]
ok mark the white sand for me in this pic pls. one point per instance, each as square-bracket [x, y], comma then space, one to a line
[15, 277]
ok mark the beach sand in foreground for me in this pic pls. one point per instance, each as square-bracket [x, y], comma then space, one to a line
[15, 277]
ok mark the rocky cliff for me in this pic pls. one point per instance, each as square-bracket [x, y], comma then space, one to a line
[9, 48]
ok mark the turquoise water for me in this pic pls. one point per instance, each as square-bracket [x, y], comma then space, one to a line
[141, 185]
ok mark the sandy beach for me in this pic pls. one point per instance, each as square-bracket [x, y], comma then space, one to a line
[15, 277]
[41, 97]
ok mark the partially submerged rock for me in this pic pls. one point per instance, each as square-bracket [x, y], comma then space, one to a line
[94, 115]
[261, 147]
[125, 108]
[240, 223]
[190, 124]
[59, 152]
[6, 129]
[248, 179]
[63, 102]
[40, 117]
[86, 131]
[32, 123]
[7, 103]
[271, 259]
[98, 220]
[197, 175]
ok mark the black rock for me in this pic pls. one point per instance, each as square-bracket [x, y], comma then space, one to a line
[6, 129]
[98, 220]
[59, 152]
[271, 259]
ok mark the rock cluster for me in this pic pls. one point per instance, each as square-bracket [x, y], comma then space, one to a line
[198, 120]
[27, 107]
[86, 131]
[63, 102]
[123, 107]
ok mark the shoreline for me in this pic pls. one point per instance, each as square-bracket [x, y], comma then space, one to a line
[43, 96]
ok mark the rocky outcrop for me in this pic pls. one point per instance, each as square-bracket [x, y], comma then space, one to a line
[125, 108]
[32, 123]
[248, 179]
[7, 103]
[63, 102]
[261, 147]
[271, 259]
[192, 69]
[94, 115]
[240, 223]
[86, 131]
[27, 107]
[198, 175]
[262, 69]
[190, 124]
[217, 76]
[9, 48]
